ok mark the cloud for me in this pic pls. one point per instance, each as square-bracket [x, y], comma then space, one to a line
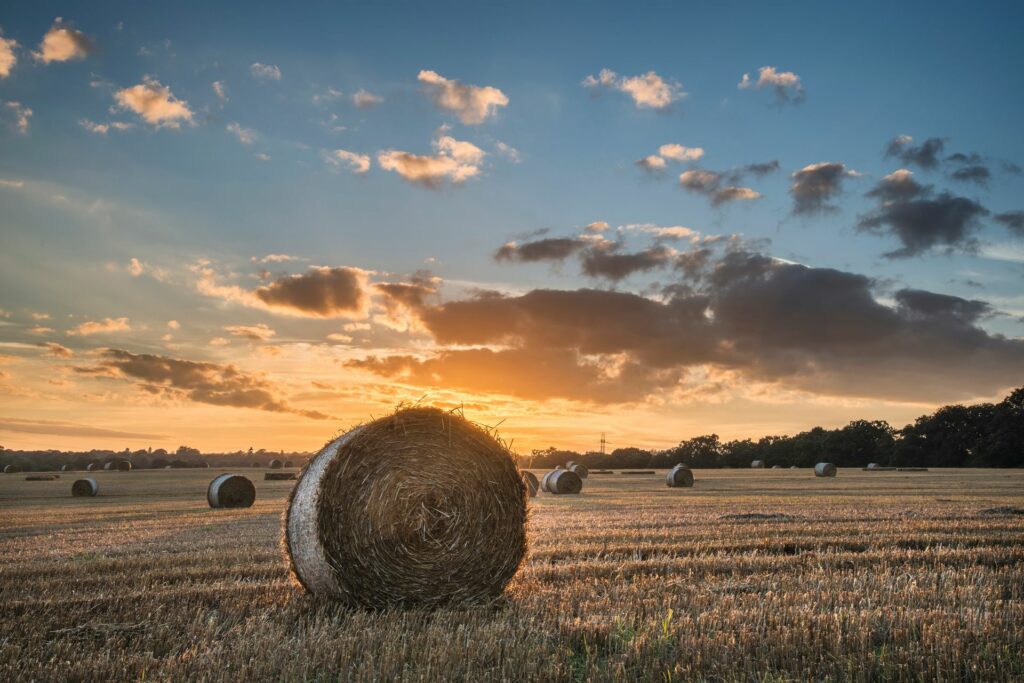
[220, 90]
[508, 151]
[456, 161]
[320, 292]
[365, 99]
[814, 187]
[921, 219]
[259, 332]
[607, 261]
[276, 258]
[547, 249]
[20, 115]
[403, 301]
[155, 103]
[712, 184]
[135, 267]
[246, 136]
[649, 91]
[652, 163]
[56, 350]
[63, 44]
[267, 72]
[104, 128]
[975, 173]
[596, 227]
[173, 325]
[819, 330]
[200, 382]
[927, 155]
[105, 326]
[785, 84]
[61, 428]
[1013, 220]
[357, 163]
[472, 104]
[662, 232]
[39, 329]
[680, 153]
[8, 58]
[13, 184]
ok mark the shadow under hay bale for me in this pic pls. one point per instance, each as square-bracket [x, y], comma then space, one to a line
[679, 477]
[532, 484]
[41, 477]
[85, 488]
[825, 469]
[279, 476]
[418, 508]
[562, 482]
[231, 491]
[911, 469]
[878, 468]
[640, 472]
[602, 471]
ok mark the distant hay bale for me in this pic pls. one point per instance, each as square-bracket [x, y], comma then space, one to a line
[288, 463]
[66, 468]
[825, 469]
[872, 466]
[11, 469]
[793, 467]
[118, 466]
[256, 464]
[559, 467]
[680, 477]
[569, 464]
[41, 477]
[564, 482]
[532, 484]
[230, 491]
[776, 467]
[580, 470]
[276, 464]
[757, 465]
[421, 507]
[279, 476]
[92, 467]
[84, 488]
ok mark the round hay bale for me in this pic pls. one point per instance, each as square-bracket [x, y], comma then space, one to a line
[580, 470]
[559, 467]
[118, 466]
[230, 491]
[288, 463]
[66, 468]
[544, 481]
[85, 488]
[757, 465]
[776, 467]
[92, 467]
[569, 464]
[11, 469]
[872, 466]
[680, 477]
[276, 464]
[532, 484]
[418, 508]
[564, 482]
[825, 469]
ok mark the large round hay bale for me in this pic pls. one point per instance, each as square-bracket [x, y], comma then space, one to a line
[680, 477]
[532, 484]
[757, 465]
[418, 508]
[544, 481]
[580, 470]
[276, 464]
[564, 481]
[825, 469]
[118, 466]
[230, 491]
[11, 469]
[85, 488]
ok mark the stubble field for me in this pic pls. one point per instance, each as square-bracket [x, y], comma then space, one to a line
[751, 575]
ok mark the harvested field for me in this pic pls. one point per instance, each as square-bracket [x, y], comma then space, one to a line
[750, 575]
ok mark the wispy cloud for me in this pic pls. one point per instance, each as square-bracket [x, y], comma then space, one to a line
[648, 91]
[472, 104]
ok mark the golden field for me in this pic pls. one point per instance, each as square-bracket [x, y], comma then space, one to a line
[868, 576]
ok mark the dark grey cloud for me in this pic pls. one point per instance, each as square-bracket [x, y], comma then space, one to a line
[1014, 220]
[816, 329]
[921, 219]
[319, 292]
[606, 260]
[716, 186]
[547, 249]
[757, 169]
[199, 381]
[816, 185]
[974, 174]
[927, 155]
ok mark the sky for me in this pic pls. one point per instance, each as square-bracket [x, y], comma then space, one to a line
[227, 229]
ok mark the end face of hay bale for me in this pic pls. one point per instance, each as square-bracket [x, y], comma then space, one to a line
[231, 491]
[680, 477]
[564, 482]
[825, 469]
[85, 488]
[276, 464]
[532, 484]
[418, 508]
[11, 469]
[581, 471]
[757, 465]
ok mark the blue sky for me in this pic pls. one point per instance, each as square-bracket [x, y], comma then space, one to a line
[172, 197]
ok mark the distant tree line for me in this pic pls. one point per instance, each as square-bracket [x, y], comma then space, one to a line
[182, 458]
[984, 435]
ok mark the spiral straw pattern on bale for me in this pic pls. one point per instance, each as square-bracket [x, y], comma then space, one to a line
[85, 488]
[231, 491]
[564, 482]
[418, 508]
[680, 477]
[825, 469]
[532, 484]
